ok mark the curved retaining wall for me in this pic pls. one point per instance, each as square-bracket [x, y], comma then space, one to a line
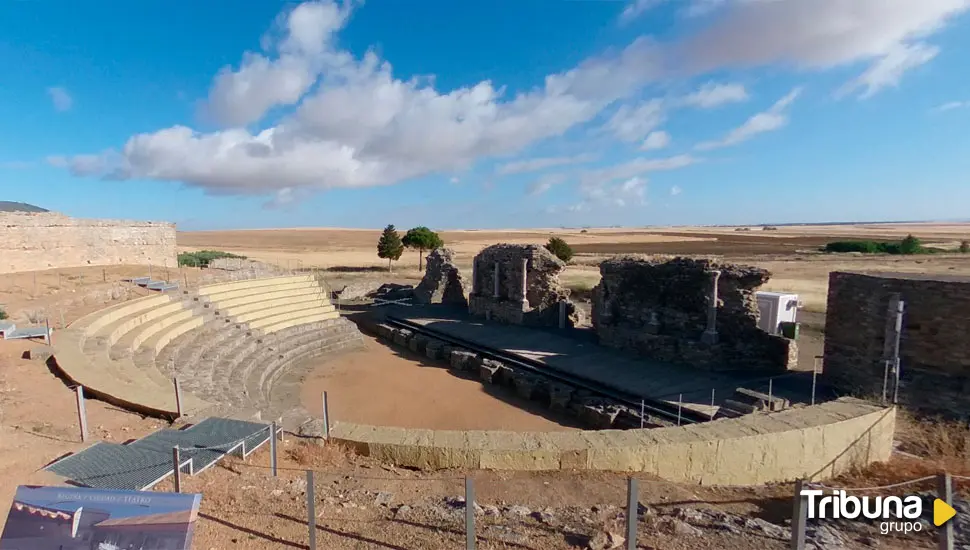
[807, 442]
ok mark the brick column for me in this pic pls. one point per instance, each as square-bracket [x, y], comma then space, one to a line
[710, 333]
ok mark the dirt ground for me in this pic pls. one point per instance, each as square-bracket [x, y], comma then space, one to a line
[388, 387]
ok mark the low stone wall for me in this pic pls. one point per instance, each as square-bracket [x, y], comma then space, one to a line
[662, 309]
[812, 442]
[934, 349]
[519, 285]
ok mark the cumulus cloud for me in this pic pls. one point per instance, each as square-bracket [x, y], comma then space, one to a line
[712, 95]
[60, 98]
[541, 163]
[675, 190]
[655, 140]
[633, 123]
[341, 120]
[776, 117]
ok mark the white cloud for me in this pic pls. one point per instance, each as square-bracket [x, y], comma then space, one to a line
[636, 8]
[541, 163]
[675, 190]
[349, 122]
[655, 140]
[634, 123]
[949, 106]
[83, 165]
[60, 98]
[698, 8]
[712, 95]
[454, 179]
[776, 117]
[545, 183]
[631, 191]
[242, 96]
[889, 70]
[634, 168]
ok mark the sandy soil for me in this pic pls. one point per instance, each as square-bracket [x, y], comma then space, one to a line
[387, 387]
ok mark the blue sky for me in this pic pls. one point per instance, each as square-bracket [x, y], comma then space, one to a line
[536, 113]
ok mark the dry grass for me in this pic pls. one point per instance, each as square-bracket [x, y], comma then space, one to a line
[320, 455]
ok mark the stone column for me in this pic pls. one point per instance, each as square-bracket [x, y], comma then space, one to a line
[710, 333]
[525, 283]
[495, 286]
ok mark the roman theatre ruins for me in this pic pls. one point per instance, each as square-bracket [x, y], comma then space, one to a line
[671, 378]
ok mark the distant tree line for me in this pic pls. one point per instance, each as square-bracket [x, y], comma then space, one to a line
[202, 258]
[908, 246]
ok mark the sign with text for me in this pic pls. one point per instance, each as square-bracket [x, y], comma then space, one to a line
[70, 518]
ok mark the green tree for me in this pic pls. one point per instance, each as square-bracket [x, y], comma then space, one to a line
[910, 245]
[3, 314]
[390, 246]
[560, 248]
[422, 239]
[964, 246]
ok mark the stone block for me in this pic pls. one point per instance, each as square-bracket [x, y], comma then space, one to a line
[418, 344]
[462, 360]
[488, 370]
[433, 350]
[40, 353]
[559, 397]
[402, 336]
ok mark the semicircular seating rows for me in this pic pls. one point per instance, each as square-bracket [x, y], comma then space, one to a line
[234, 348]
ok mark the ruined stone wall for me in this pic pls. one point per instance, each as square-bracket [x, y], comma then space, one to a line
[47, 240]
[660, 308]
[934, 345]
[506, 302]
[442, 282]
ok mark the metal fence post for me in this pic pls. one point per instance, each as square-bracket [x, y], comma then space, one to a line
[815, 376]
[713, 409]
[272, 448]
[944, 484]
[178, 396]
[177, 465]
[643, 413]
[469, 514]
[82, 416]
[326, 417]
[680, 406]
[311, 510]
[632, 500]
[799, 518]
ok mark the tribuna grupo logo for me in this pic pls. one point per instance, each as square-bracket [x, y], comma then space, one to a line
[893, 513]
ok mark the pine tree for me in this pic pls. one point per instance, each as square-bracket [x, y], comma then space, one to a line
[422, 239]
[390, 246]
[560, 248]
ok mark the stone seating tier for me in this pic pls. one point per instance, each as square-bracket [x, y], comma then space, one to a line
[230, 341]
